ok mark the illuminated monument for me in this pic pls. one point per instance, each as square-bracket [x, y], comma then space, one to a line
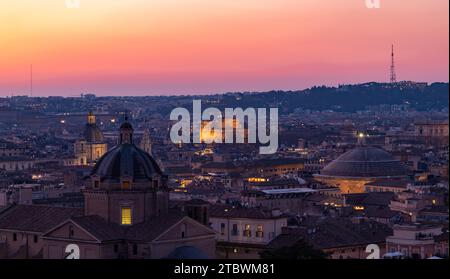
[359, 166]
[91, 146]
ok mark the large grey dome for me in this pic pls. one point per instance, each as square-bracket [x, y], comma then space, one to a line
[365, 162]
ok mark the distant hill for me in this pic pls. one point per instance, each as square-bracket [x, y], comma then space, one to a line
[348, 98]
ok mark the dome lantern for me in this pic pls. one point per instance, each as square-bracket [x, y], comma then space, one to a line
[91, 118]
[126, 132]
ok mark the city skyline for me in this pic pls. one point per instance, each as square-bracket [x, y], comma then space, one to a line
[188, 47]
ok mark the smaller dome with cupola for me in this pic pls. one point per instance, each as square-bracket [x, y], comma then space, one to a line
[126, 160]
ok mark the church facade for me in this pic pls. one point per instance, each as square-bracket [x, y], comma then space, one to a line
[126, 215]
[91, 146]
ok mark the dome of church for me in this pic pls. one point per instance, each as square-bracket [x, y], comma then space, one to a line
[126, 159]
[92, 133]
[365, 162]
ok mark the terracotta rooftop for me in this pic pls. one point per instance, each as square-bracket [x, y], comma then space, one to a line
[227, 211]
[35, 218]
[329, 233]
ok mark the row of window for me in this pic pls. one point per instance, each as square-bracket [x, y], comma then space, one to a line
[430, 131]
[126, 185]
[280, 169]
[17, 166]
[247, 232]
[35, 238]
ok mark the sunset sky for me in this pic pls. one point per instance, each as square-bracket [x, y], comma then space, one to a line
[161, 47]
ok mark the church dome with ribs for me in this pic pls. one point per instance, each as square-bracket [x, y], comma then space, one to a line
[92, 132]
[126, 160]
[365, 162]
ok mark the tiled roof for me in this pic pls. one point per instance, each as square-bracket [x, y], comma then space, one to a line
[286, 239]
[35, 218]
[330, 233]
[153, 228]
[41, 219]
[99, 228]
[389, 183]
[380, 212]
[374, 198]
[227, 211]
[342, 232]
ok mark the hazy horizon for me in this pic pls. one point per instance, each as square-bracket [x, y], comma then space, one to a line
[206, 93]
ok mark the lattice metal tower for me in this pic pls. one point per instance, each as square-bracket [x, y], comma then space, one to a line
[393, 74]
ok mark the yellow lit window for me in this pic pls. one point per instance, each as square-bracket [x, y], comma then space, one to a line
[247, 232]
[126, 185]
[126, 216]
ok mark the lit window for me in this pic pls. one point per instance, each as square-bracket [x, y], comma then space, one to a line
[126, 216]
[126, 185]
[247, 232]
[259, 231]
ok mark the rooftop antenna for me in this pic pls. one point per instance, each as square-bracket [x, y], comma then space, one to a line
[393, 74]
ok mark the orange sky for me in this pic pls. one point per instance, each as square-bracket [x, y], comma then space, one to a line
[149, 47]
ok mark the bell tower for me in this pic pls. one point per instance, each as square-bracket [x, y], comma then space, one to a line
[146, 142]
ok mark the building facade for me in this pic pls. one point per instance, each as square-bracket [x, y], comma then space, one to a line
[92, 145]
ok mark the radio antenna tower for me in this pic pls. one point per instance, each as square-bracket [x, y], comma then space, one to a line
[393, 74]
